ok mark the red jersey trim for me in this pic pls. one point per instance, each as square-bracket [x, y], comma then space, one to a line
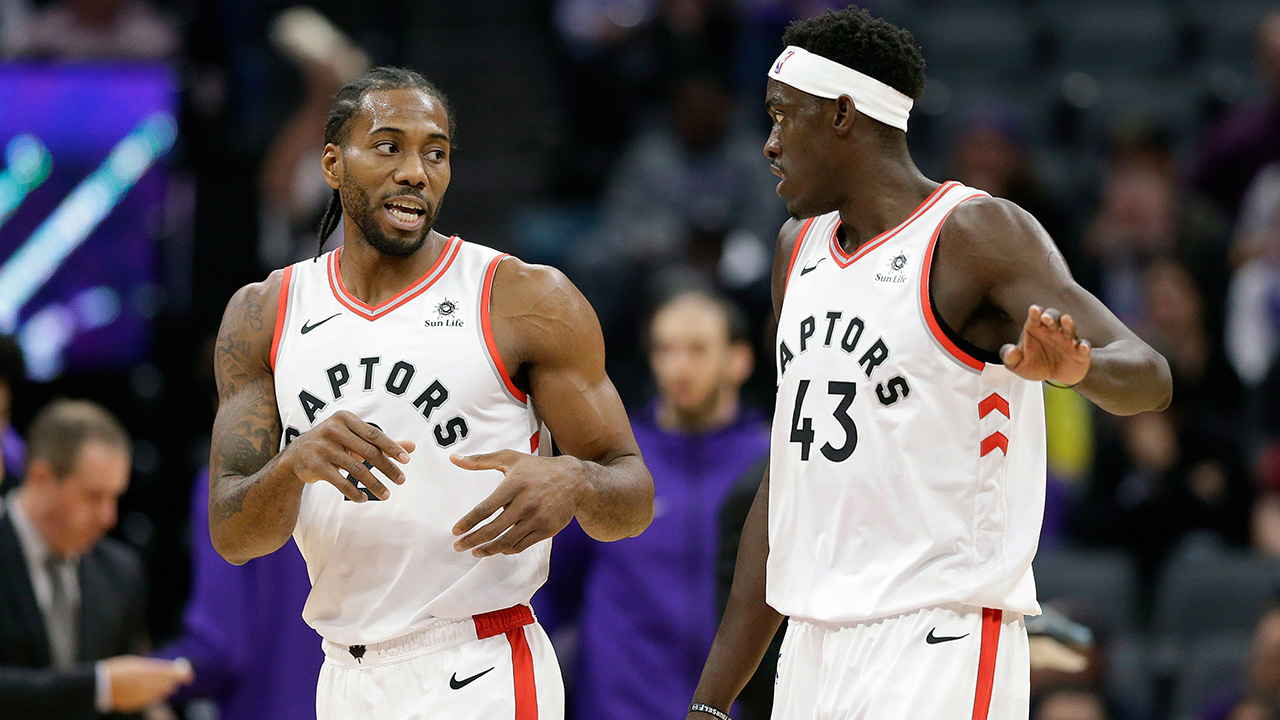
[371, 312]
[991, 622]
[486, 294]
[282, 305]
[795, 253]
[844, 259]
[927, 307]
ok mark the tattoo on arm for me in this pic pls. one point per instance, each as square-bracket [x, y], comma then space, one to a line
[246, 433]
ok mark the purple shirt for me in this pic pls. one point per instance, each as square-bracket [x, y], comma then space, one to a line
[243, 629]
[649, 612]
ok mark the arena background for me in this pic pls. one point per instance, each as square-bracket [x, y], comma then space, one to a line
[149, 175]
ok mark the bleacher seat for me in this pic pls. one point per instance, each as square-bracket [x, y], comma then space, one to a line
[999, 43]
[1227, 31]
[1090, 585]
[1215, 664]
[1201, 595]
[1109, 37]
[1170, 103]
[1129, 670]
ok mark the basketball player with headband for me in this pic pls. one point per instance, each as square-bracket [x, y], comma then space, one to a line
[900, 513]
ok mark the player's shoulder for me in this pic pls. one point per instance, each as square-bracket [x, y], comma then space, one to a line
[265, 291]
[249, 322]
[987, 220]
[540, 299]
[517, 278]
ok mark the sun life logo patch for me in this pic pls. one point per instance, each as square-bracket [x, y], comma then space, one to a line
[894, 270]
[446, 315]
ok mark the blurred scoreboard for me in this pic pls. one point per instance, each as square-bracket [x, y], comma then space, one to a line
[82, 192]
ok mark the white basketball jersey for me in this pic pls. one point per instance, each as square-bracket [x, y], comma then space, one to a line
[904, 472]
[422, 366]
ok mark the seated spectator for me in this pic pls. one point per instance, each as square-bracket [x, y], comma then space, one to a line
[74, 600]
[1146, 212]
[649, 609]
[243, 631]
[1167, 476]
[691, 196]
[991, 154]
[1248, 138]
[1253, 309]
[694, 174]
[1175, 320]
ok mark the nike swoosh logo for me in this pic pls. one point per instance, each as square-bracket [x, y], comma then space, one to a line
[934, 639]
[307, 327]
[812, 267]
[457, 684]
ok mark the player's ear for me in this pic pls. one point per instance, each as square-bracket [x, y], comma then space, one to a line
[843, 116]
[331, 165]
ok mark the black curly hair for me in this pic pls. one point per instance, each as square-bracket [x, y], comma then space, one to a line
[346, 104]
[870, 45]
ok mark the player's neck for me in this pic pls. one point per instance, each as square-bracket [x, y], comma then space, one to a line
[872, 208]
[374, 277]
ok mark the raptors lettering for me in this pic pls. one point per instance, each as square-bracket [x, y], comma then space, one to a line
[834, 330]
[397, 381]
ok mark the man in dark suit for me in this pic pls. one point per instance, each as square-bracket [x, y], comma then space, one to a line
[72, 603]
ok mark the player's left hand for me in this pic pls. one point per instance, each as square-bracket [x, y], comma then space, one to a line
[538, 498]
[1048, 349]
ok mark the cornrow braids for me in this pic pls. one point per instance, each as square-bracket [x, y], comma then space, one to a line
[345, 107]
[870, 45]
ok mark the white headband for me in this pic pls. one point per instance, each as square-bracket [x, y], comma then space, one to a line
[828, 79]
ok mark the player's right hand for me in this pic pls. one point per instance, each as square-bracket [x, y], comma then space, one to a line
[137, 682]
[340, 445]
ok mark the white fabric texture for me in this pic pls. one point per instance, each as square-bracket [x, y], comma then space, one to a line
[416, 685]
[886, 669]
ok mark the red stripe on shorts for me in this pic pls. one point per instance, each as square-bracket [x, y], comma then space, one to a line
[522, 664]
[510, 622]
[991, 622]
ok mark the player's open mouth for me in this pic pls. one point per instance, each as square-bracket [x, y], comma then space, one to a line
[406, 213]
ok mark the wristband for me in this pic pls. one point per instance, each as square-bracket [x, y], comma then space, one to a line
[1061, 386]
[699, 707]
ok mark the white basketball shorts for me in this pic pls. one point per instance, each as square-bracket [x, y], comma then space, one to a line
[952, 662]
[496, 666]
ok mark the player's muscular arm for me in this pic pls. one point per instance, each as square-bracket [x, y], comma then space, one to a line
[253, 491]
[550, 339]
[748, 623]
[1050, 328]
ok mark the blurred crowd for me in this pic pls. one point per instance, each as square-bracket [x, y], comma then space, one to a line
[621, 141]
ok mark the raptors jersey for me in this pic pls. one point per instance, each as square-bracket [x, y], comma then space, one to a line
[422, 366]
[904, 472]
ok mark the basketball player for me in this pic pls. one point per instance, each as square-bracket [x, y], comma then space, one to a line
[916, 320]
[333, 371]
